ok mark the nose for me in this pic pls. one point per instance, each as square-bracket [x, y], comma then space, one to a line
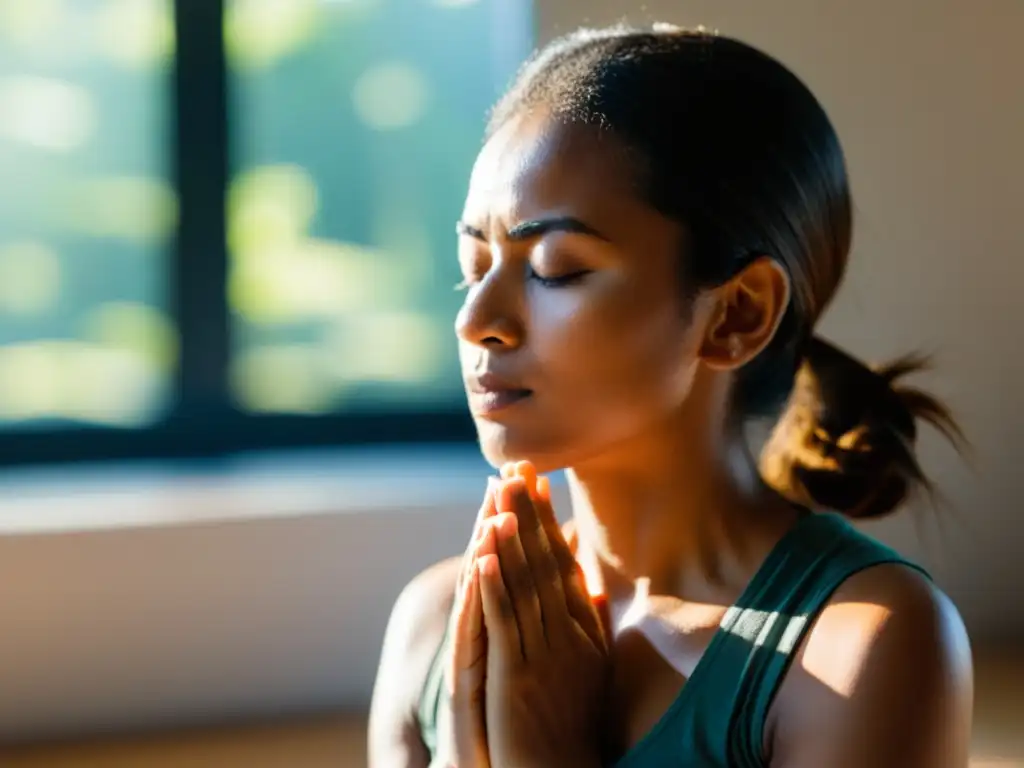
[492, 315]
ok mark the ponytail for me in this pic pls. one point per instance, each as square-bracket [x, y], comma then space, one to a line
[846, 438]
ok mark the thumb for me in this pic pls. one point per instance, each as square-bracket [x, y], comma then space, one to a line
[487, 511]
[469, 667]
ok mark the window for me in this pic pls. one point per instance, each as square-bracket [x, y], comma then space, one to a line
[232, 225]
[86, 214]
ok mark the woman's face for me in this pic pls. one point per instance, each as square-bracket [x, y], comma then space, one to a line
[573, 335]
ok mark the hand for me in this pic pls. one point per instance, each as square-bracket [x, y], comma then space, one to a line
[562, 541]
[546, 656]
[466, 668]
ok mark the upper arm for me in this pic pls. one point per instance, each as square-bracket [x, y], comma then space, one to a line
[884, 680]
[414, 632]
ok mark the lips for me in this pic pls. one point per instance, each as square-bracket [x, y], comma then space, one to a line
[490, 394]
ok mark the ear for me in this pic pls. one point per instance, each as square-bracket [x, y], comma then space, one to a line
[750, 307]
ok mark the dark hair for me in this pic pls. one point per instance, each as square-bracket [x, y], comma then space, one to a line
[731, 144]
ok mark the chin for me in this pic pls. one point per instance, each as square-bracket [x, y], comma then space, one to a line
[501, 445]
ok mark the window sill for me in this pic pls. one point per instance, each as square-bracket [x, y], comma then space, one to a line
[252, 486]
[151, 597]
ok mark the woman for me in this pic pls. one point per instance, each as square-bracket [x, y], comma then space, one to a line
[655, 224]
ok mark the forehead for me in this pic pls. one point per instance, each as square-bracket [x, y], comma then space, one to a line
[535, 164]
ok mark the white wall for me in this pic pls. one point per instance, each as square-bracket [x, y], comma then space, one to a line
[265, 589]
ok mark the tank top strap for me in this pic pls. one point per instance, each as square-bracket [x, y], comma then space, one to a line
[762, 632]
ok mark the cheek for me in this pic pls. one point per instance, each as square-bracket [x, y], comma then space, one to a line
[619, 352]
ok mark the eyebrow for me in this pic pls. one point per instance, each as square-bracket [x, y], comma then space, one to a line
[535, 228]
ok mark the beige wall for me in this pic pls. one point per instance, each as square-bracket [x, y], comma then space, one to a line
[928, 99]
[167, 621]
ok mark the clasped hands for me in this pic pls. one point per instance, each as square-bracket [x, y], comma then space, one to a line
[527, 665]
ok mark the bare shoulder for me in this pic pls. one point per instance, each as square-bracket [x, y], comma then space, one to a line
[419, 617]
[888, 614]
[425, 602]
[883, 678]
[414, 633]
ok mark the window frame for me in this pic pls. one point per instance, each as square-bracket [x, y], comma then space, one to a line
[202, 421]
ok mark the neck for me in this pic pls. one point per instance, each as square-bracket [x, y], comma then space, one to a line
[681, 509]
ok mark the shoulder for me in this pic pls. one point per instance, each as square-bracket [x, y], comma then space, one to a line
[420, 613]
[883, 678]
[413, 635]
[428, 597]
[887, 621]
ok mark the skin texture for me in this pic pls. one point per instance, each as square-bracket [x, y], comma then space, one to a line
[524, 620]
[630, 392]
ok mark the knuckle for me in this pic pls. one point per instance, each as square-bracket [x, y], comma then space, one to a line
[520, 582]
[505, 609]
[549, 571]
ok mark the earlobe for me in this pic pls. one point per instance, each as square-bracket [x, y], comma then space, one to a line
[735, 347]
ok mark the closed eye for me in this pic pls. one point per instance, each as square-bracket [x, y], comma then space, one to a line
[528, 231]
[559, 281]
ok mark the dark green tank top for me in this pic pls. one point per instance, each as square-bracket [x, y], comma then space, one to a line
[718, 719]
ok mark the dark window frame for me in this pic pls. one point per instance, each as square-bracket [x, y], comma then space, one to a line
[203, 422]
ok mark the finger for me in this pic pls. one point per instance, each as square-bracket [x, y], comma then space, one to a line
[462, 612]
[469, 646]
[550, 521]
[487, 507]
[528, 472]
[468, 716]
[544, 488]
[581, 606]
[544, 567]
[504, 650]
[562, 550]
[515, 572]
[487, 510]
[589, 611]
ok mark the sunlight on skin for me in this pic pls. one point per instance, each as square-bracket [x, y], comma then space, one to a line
[820, 659]
[639, 608]
[644, 614]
